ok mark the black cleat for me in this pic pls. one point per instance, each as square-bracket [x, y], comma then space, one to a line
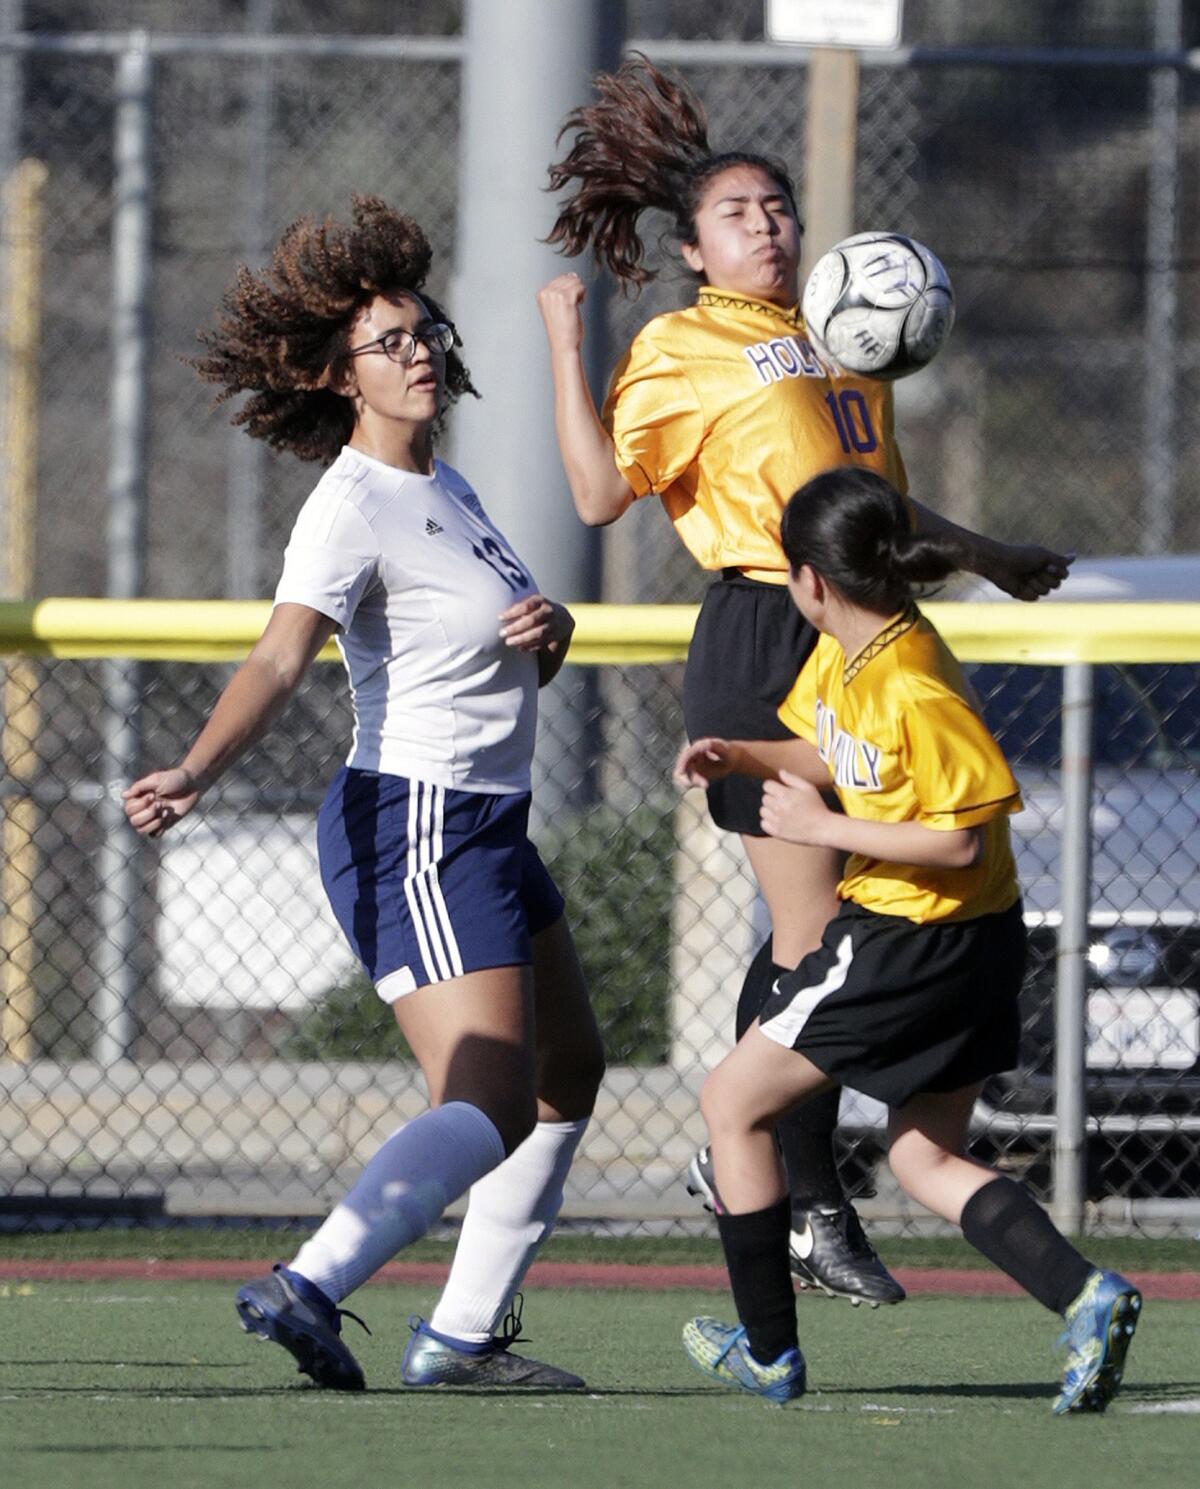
[309, 1327]
[829, 1249]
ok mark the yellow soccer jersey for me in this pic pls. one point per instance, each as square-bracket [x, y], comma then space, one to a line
[903, 740]
[724, 409]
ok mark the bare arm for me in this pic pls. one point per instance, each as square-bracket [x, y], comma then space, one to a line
[599, 490]
[252, 700]
[1023, 570]
[707, 760]
[793, 810]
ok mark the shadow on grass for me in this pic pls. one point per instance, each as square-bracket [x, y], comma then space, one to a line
[127, 1364]
[93, 1449]
[1011, 1390]
[303, 1388]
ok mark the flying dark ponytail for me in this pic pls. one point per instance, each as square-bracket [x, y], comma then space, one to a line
[642, 144]
[853, 528]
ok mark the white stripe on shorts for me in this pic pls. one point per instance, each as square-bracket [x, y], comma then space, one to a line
[439, 899]
[426, 903]
[785, 1027]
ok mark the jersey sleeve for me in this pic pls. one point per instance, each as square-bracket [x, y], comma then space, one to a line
[654, 416]
[958, 772]
[798, 711]
[331, 561]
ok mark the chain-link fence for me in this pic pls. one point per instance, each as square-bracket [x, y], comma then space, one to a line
[186, 1022]
[1053, 192]
[257, 1068]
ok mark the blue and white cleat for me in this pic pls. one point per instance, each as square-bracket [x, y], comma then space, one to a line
[434, 1359]
[721, 1352]
[1100, 1324]
[289, 1310]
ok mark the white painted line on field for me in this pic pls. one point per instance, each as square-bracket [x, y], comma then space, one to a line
[1190, 1407]
[928, 1411]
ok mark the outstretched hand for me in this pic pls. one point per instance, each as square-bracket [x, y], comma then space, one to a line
[160, 800]
[703, 761]
[1024, 570]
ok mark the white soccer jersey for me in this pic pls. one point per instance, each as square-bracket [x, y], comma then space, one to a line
[415, 575]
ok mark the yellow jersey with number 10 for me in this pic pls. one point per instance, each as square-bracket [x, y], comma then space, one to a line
[898, 728]
[724, 409]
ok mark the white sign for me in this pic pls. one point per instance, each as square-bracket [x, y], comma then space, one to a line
[835, 23]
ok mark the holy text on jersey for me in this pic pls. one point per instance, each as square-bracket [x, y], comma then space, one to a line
[784, 356]
[854, 762]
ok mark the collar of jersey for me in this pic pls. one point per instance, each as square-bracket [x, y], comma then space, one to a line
[731, 300]
[894, 629]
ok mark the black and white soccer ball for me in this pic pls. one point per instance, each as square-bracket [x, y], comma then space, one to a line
[879, 305]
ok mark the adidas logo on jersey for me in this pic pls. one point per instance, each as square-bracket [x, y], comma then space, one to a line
[432, 527]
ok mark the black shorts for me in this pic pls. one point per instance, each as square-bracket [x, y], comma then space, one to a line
[891, 1008]
[747, 650]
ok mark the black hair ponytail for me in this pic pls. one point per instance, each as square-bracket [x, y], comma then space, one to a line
[853, 527]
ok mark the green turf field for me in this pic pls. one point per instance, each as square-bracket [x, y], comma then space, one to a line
[242, 1242]
[136, 1384]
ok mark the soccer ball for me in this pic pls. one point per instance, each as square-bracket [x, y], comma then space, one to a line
[879, 304]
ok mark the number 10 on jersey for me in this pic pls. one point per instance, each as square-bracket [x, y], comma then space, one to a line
[852, 420]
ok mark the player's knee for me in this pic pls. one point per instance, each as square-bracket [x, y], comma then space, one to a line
[569, 1077]
[513, 1113]
[914, 1165]
[586, 1065]
[719, 1104]
[515, 1119]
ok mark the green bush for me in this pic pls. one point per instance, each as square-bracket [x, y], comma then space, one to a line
[350, 1022]
[615, 872]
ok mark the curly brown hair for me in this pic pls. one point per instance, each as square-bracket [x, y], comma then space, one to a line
[643, 143]
[282, 328]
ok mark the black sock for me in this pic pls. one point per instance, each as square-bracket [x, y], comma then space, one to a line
[805, 1136]
[806, 1141]
[1004, 1222]
[756, 989]
[756, 1254]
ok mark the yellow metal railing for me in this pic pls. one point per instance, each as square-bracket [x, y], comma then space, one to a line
[1047, 634]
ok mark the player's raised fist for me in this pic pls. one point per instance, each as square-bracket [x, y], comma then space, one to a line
[559, 302]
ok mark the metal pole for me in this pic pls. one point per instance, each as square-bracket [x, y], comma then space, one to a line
[527, 65]
[11, 100]
[246, 456]
[831, 142]
[1070, 1013]
[1162, 214]
[119, 883]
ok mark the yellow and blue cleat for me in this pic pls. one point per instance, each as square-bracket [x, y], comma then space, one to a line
[721, 1352]
[1100, 1324]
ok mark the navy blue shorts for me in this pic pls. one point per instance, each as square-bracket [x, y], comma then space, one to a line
[428, 882]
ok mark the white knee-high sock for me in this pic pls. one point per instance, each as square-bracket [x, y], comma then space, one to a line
[509, 1215]
[419, 1170]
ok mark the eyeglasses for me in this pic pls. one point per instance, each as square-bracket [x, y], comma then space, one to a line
[400, 345]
